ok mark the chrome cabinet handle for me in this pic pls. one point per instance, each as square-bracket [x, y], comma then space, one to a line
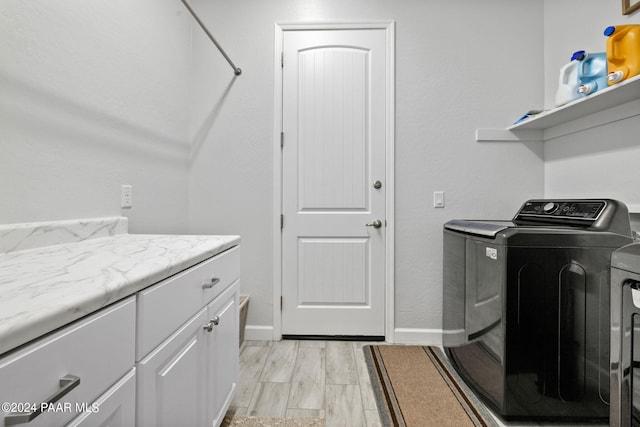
[213, 322]
[375, 224]
[214, 281]
[67, 383]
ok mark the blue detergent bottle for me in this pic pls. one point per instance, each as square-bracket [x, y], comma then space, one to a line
[592, 72]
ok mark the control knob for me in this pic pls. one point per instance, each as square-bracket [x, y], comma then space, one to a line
[550, 207]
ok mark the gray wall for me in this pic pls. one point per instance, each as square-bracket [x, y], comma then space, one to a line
[459, 66]
[94, 95]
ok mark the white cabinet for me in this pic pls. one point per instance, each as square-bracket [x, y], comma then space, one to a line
[79, 362]
[190, 377]
[223, 354]
[167, 356]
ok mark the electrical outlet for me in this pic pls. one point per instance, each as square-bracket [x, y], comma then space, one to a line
[438, 199]
[126, 196]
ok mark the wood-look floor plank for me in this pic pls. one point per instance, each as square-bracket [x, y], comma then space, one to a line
[305, 413]
[269, 400]
[372, 418]
[280, 363]
[340, 363]
[308, 380]
[313, 344]
[252, 361]
[344, 406]
[364, 381]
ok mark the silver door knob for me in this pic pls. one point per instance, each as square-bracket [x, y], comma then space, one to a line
[375, 224]
[377, 185]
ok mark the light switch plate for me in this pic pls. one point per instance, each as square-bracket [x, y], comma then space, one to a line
[438, 199]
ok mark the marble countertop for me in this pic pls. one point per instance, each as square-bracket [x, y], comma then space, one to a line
[45, 287]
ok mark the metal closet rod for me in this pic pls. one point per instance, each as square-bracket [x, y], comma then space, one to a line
[236, 70]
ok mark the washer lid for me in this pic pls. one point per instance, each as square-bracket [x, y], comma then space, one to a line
[479, 228]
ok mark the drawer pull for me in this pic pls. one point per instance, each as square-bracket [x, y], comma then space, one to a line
[214, 281]
[67, 383]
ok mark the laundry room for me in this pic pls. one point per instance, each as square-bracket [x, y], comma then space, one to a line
[150, 141]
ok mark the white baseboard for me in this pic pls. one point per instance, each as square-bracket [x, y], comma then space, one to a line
[258, 333]
[417, 336]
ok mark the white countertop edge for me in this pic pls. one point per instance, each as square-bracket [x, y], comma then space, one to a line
[41, 315]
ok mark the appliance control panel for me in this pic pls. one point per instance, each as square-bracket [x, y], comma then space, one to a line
[557, 209]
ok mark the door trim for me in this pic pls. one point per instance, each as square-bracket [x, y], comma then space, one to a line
[389, 27]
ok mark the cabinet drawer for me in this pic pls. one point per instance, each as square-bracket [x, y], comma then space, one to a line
[164, 307]
[98, 350]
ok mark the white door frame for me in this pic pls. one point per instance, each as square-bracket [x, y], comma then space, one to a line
[389, 27]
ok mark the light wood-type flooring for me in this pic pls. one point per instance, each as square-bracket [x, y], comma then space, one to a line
[288, 378]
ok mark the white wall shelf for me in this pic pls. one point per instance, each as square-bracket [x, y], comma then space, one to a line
[608, 105]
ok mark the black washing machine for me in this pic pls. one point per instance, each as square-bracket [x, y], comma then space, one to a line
[625, 337]
[526, 307]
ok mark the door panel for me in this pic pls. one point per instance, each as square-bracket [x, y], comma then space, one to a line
[345, 283]
[332, 129]
[334, 99]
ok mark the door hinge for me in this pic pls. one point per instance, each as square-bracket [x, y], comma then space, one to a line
[281, 139]
[282, 59]
[280, 302]
[281, 222]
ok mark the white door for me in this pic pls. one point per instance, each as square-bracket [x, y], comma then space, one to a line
[333, 234]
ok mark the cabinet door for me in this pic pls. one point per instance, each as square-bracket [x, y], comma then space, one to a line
[171, 388]
[223, 354]
[115, 408]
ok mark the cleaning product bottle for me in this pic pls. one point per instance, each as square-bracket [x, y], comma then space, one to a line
[592, 72]
[623, 52]
[568, 81]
